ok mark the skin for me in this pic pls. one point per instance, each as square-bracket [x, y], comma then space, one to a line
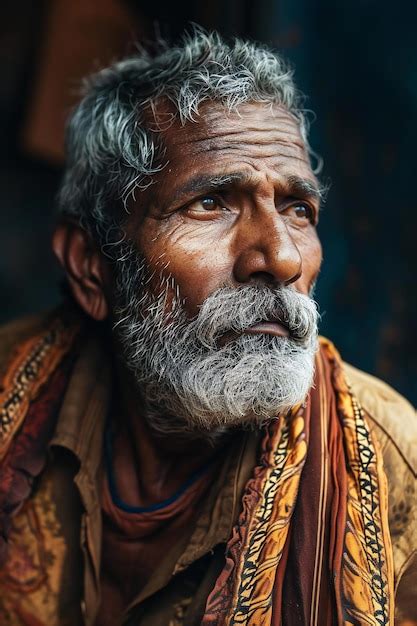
[259, 226]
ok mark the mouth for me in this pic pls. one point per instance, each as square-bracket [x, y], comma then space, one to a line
[269, 328]
[261, 328]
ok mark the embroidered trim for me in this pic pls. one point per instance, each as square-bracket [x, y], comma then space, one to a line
[31, 366]
[270, 525]
[364, 497]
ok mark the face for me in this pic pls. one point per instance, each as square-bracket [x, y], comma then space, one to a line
[237, 204]
[211, 304]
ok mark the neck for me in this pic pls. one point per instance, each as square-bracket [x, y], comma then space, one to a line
[150, 467]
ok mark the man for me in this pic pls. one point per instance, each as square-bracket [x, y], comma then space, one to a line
[177, 445]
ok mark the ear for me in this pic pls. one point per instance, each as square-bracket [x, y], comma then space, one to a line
[85, 267]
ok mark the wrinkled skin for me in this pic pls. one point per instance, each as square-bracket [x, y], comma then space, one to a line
[259, 227]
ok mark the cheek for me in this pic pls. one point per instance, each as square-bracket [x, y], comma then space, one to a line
[199, 265]
[197, 276]
[311, 254]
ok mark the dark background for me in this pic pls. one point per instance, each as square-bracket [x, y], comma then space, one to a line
[356, 60]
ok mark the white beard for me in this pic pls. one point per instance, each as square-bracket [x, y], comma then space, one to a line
[192, 384]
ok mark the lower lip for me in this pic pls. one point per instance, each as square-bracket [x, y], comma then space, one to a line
[269, 328]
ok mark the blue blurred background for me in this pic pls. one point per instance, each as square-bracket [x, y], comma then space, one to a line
[356, 61]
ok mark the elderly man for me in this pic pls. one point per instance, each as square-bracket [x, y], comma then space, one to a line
[177, 445]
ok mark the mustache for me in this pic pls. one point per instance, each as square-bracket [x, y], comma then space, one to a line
[235, 309]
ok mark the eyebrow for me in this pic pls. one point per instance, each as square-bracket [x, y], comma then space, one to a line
[295, 185]
[305, 187]
[209, 182]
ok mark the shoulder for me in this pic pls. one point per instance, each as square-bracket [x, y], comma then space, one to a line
[15, 331]
[30, 350]
[392, 416]
[393, 423]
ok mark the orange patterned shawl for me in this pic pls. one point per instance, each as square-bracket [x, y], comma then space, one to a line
[312, 543]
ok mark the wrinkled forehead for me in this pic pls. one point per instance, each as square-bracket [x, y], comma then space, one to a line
[268, 127]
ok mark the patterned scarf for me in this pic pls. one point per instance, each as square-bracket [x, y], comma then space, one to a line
[312, 543]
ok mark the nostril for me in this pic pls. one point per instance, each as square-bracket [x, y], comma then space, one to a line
[263, 277]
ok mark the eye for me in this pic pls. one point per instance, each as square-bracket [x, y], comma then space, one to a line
[302, 211]
[205, 207]
[208, 203]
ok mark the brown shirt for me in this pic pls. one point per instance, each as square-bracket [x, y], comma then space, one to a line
[136, 541]
[53, 574]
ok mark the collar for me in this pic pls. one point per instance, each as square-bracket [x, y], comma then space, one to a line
[80, 423]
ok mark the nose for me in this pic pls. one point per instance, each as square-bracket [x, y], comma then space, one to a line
[266, 251]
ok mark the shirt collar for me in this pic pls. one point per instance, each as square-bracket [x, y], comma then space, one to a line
[80, 424]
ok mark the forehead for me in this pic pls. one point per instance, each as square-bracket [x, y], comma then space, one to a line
[260, 139]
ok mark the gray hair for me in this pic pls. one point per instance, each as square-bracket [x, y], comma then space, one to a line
[113, 144]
